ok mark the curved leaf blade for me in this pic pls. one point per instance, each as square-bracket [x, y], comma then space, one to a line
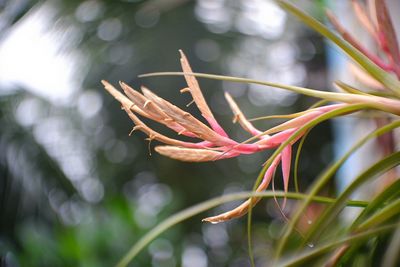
[333, 211]
[323, 179]
[209, 204]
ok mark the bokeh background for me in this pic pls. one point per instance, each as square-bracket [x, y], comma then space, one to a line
[75, 189]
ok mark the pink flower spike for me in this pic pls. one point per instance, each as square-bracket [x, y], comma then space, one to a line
[216, 127]
[286, 163]
[270, 173]
[248, 148]
[198, 97]
[192, 154]
[205, 144]
[330, 107]
[239, 117]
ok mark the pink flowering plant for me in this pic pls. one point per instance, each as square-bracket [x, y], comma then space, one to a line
[210, 142]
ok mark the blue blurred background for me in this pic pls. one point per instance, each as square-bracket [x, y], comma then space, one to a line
[75, 189]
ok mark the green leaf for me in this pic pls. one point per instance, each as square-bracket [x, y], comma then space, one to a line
[381, 216]
[352, 90]
[370, 67]
[209, 204]
[390, 192]
[303, 258]
[297, 89]
[307, 127]
[371, 101]
[333, 211]
[349, 89]
[292, 115]
[324, 179]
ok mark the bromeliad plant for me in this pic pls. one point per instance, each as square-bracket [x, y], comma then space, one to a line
[216, 144]
[211, 142]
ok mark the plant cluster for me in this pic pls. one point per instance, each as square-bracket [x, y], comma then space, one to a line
[211, 142]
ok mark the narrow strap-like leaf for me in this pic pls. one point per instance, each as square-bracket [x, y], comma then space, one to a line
[332, 211]
[381, 216]
[381, 103]
[302, 259]
[390, 192]
[209, 204]
[323, 179]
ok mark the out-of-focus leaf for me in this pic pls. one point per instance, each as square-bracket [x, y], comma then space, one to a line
[349, 89]
[370, 67]
[386, 29]
[390, 192]
[391, 257]
[381, 216]
[302, 259]
[355, 43]
[363, 17]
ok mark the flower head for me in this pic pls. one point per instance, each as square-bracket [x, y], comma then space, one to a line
[216, 143]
